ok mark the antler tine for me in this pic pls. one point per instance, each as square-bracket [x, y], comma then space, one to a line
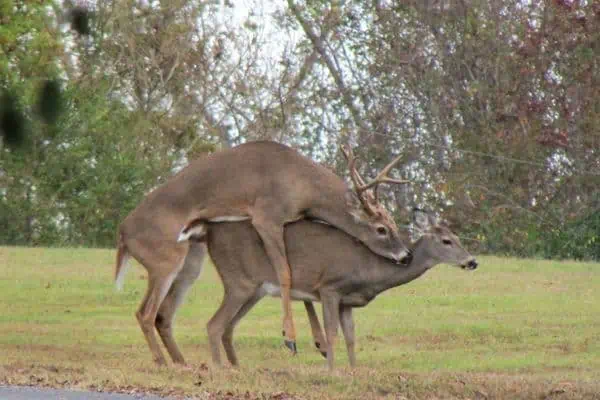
[383, 178]
[346, 151]
[357, 180]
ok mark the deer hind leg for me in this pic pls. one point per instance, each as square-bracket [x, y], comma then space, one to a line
[315, 326]
[331, 317]
[233, 301]
[228, 334]
[347, 323]
[271, 233]
[163, 264]
[185, 278]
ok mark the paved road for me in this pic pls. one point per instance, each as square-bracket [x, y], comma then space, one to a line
[33, 393]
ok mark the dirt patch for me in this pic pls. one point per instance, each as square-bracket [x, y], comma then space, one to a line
[60, 377]
[405, 386]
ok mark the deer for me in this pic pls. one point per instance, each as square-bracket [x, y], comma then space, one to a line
[268, 184]
[327, 266]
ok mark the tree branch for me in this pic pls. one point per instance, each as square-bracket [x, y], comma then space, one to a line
[317, 42]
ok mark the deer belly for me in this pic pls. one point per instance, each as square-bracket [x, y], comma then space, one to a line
[275, 291]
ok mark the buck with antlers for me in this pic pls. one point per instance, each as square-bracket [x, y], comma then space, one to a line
[267, 183]
[327, 266]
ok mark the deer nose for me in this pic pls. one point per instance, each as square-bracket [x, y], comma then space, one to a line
[405, 257]
[472, 264]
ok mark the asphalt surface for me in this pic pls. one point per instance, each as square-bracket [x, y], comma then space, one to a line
[33, 393]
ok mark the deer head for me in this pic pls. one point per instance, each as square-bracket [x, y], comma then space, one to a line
[444, 245]
[363, 201]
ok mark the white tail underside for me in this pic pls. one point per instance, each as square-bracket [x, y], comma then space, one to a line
[197, 231]
[200, 230]
[120, 279]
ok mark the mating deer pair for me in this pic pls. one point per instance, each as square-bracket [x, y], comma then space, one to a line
[264, 182]
[327, 265]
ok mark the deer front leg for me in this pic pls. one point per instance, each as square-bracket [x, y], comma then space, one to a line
[271, 234]
[315, 326]
[347, 323]
[331, 317]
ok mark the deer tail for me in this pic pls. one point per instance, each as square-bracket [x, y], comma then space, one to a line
[122, 262]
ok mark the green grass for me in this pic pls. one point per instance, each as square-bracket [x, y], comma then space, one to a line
[511, 329]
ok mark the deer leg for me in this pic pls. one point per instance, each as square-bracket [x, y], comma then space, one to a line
[163, 262]
[315, 326]
[184, 280]
[331, 317]
[347, 323]
[158, 286]
[216, 327]
[228, 334]
[271, 234]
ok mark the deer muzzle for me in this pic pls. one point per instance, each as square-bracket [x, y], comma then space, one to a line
[470, 264]
[406, 258]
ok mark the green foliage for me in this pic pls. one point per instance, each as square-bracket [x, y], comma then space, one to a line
[85, 179]
[85, 160]
[527, 236]
[578, 239]
[96, 173]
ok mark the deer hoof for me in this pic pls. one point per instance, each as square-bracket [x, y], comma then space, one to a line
[160, 362]
[291, 345]
[323, 352]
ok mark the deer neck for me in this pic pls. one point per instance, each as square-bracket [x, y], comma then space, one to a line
[331, 207]
[422, 260]
[388, 274]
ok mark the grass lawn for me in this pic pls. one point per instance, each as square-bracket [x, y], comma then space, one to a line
[511, 329]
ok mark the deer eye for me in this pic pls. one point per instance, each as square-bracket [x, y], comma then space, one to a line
[447, 242]
[381, 230]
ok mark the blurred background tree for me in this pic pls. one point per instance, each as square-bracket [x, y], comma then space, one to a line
[495, 107]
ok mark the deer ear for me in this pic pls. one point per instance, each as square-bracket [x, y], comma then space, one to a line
[421, 220]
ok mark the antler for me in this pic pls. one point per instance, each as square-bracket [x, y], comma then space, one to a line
[356, 178]
[382, 177]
